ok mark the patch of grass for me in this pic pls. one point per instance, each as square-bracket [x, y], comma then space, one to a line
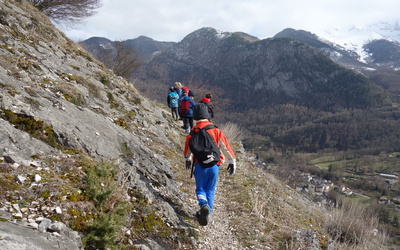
[126, 151]
[114, 104]
[36, 128]
[84, 54]
[126, 120]
[104, 79]
[71, 94]
[354, 224]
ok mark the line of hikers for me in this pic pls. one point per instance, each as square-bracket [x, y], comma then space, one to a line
[181, 101]
[206, 146]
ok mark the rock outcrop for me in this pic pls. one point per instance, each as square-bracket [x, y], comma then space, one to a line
[56, 101]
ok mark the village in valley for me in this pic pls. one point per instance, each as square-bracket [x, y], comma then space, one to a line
[319, 187]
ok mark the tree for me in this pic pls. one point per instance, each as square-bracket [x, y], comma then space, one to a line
[121, 58]
[125, 61]
[68, 12]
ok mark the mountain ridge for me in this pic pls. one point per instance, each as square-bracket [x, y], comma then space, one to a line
[271, 69]
[85, 159]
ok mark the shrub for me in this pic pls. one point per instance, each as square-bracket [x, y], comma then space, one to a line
[353, 224]
[102, 187]
[232, 131]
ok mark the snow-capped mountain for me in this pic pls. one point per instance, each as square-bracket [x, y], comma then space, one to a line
[361, 48]
[356, 37]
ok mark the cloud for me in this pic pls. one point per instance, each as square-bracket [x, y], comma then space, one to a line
[173, 20]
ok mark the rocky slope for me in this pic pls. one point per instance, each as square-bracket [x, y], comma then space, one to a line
[58, 103]
[87, 162]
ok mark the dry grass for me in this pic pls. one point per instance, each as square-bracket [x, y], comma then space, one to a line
[267, 214]
[232, 131]
[354, 225]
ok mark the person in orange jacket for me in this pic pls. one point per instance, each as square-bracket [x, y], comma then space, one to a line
[206, 177]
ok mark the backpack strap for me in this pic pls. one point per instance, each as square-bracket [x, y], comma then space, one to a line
[209, 126]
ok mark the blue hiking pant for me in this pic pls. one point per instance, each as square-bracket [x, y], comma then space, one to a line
[206, 182]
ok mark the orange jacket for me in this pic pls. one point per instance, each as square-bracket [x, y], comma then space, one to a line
[219, 139]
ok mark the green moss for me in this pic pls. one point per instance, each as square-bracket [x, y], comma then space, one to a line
[114, 104]
[56, 217]
[126, 151]
[79, 224]
[76, 67]
[71, 94]
[36, 128]
[45, 194]
[77, 195]
[104, 79]
[7, 183]
[122, 123]
[9, 49]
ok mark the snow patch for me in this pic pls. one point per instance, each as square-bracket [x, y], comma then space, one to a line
[355, 37]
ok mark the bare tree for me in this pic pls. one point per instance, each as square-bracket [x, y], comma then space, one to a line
[125, 61]
[68, 12]
[121, 58]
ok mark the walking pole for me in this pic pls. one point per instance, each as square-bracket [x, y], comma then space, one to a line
[191, 172]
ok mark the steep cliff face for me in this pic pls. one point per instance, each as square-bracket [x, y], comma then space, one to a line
[57, 102]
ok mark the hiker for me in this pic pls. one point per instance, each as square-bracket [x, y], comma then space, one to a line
[178, 88]
[190, 92]
[206, 172]
[172, 100]
[207, 101]
[185, 108]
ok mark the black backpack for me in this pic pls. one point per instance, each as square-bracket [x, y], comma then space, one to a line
[203, 146]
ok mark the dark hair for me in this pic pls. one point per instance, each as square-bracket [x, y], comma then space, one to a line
[209, 95]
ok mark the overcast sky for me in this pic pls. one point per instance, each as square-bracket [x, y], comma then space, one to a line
[172, 20]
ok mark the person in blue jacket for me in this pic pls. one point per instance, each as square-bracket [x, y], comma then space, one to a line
[173, 102]
[185, 106]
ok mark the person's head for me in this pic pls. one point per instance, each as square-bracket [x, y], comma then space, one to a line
[200, 111]
[178, 85]
[209, 95]
[184, 93]
[185, 89]
[172, 89]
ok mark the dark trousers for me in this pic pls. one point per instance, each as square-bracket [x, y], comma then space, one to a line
[174, 113]
[187, 122]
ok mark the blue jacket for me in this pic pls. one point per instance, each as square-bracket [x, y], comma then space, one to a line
[179, 92]
[172, 96]
[192, 103]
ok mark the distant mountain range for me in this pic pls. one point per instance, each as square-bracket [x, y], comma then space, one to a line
[296, 89]
[274, 69]
[361, 43]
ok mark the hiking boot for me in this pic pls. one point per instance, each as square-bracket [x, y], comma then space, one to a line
[202, 215]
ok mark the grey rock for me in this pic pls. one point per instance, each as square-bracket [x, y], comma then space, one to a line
[44, 225]
[20, 179]
[57, 226]
[86, 123]
[15, 236]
